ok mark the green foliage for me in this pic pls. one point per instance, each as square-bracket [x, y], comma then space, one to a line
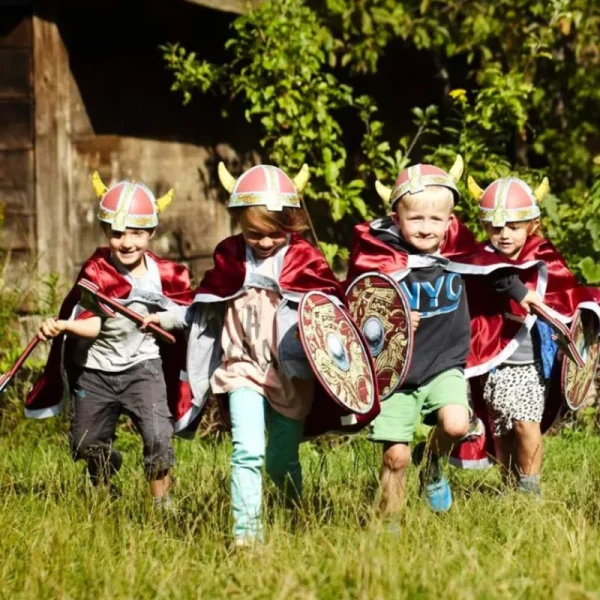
[279, 70]
[37, 297]
[521, 81]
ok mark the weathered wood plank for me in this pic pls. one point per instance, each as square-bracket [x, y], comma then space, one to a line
[15, 72]
[16, 127]
[52, 130]
[80, 119]
[16, 174]
[18, 230]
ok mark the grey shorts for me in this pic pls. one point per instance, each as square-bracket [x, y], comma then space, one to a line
[99, 398]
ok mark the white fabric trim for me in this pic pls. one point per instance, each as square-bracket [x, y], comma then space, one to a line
[153, 272]
[509, 349]
[347, 420]
[465, 269]
[44, 413]
[399, 275]
[187, 418]
[479, 464]
[419, 261]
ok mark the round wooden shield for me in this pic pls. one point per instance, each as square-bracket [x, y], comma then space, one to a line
[382, 313]
[336, 352]
[576, 380]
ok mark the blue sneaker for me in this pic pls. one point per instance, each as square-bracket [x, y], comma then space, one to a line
[433, 482]
[439, 495]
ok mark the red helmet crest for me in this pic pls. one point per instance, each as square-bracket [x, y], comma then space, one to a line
[416, 178]
[264, 185]
[129, 204]
[508, 200]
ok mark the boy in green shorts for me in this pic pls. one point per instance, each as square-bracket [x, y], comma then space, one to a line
[417, 245]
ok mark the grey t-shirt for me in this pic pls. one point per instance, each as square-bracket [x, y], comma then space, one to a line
[528, 351]
[120, 343]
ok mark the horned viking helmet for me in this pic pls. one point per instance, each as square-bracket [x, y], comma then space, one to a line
[129, 204]
[416, 178]
[508, 200]
[264, 185]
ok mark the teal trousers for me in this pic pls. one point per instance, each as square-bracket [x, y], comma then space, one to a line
[250, 416]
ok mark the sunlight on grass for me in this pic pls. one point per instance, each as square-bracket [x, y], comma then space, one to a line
[61, 538]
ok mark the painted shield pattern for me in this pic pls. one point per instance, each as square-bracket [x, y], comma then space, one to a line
[563, 335]
[336, 352]
[382, 313]
[576, 380]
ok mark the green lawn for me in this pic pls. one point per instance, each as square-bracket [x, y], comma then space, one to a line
[61, 539]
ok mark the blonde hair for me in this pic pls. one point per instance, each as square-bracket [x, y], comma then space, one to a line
[432, 194]
[288, 220]
[536, 227]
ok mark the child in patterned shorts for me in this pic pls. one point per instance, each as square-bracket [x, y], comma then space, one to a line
[516, 388]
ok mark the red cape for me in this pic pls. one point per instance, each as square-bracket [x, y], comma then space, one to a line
[304, 269]
[492, 331]
[45, 398]
[369, 253]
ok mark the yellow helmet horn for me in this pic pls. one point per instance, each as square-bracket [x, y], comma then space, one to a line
[301, 179]
[475, 190]
[385, 193]
[542, 190]
[164, 201]
[457, 169]
[226, 178]
[99, 188]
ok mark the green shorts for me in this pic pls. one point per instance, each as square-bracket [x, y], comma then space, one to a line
[400, 412]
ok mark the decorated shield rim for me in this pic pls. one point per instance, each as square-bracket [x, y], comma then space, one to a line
[375, 393]
[411, 331]
[565, 365]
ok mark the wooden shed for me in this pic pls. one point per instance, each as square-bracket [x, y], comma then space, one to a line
[83, 87]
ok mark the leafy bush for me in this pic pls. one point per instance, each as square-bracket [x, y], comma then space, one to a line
[527, 104]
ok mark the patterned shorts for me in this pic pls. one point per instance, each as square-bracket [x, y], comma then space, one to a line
[514, 393]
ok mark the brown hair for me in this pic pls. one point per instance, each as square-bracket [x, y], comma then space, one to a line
[107, 228]
[288, 220]
[534, 226]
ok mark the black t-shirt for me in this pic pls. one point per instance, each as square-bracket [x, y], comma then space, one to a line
[443, 337]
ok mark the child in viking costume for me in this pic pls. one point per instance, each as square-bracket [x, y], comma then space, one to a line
[243, 341]
[517, 351]
[422, 246]
[109, 365]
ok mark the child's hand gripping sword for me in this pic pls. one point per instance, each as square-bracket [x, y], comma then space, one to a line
[110, 307]
[7, 377]
[102, 302]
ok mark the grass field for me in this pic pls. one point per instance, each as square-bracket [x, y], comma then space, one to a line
[61, 539]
